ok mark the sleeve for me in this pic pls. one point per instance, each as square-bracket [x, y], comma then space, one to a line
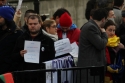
[52, 50]
[99, 41]
[16, 57]
[76, 36]
[17, 18]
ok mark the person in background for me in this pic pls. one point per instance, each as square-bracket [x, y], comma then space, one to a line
[91, 4]
[17, 14]
[65, 30]
[49, 29]
[120, 32]
[118, 4]
[113, 54]
[92, 43]
[8, 37]
[58, 13]
[3, 2]
[26, 15]
[111, 15]
[33, 33]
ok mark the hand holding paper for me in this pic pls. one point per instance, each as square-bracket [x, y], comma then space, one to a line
[33, 51]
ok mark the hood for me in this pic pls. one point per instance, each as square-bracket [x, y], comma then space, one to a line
[73, 26]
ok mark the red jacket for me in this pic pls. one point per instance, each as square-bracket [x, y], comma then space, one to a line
[72, 34]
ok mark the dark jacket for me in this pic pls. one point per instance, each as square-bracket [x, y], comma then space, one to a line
[8, 39]
[92, 45]
[47, 54]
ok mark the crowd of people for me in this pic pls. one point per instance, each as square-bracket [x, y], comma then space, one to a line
[101, 40]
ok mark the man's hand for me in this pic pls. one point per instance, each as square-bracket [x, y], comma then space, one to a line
[22, 52]
[102, 29]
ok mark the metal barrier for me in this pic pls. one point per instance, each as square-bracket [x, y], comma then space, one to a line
[39, 76]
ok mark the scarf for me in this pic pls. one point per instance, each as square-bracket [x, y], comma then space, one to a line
[113, 41]
[53, 37]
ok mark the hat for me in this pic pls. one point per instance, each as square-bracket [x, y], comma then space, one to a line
[7, 12]
[123, 13]
[65, 20]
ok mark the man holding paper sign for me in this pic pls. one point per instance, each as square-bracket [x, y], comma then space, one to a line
[33, 47]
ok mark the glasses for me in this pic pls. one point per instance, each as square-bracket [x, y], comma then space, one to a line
[54, 26]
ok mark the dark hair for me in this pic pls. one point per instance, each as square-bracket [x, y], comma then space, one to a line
[59, 12]
[28, 12]
[47, 23]
[34, 17]
[91, 4]
[108, 9]
[108, 23]
[118, 2]
[99, 14]
[92, 12]
[43, 17]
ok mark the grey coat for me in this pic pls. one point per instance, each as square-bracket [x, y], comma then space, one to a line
[91, 48]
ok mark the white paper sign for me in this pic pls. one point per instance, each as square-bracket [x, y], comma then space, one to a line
[33, 51]
[75, 48]
[62, 47]
[19, 4]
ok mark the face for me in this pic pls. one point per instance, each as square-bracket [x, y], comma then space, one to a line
[2, 2]
[65, 29]
[25, 18]
[52, 29]
[111, 14]
[2, 21]
[111, 30]
[34, 26]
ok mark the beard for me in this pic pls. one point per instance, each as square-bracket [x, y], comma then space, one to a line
[2, 25]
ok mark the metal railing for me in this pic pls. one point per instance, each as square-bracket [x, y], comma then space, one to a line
[40, 76]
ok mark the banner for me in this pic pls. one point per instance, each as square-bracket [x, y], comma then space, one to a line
[64, 62]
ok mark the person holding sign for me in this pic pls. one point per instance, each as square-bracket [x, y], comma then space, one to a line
[34, 34]
[66, 31]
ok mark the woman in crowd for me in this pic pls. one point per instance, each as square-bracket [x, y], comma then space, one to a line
[49, 28]
[113, 54]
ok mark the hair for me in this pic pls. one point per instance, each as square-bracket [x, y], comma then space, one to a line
[43, 17]
[47, 23]
[34, 17]
[91, 4]
[118, 2]
[108, 9]
[28, 12]
[99, 14]
[59, 12]
[109, 23]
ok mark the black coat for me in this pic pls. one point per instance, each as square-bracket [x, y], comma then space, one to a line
[8, 39]
[47, 54]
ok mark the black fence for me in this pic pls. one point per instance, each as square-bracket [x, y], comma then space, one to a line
[40, 76]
